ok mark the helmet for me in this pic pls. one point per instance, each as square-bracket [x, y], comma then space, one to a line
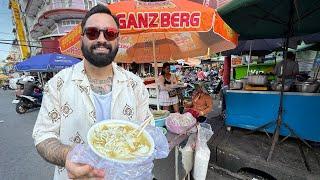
[29, 78]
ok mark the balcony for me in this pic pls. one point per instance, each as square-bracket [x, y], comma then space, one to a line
[55, 12]
[33, 7]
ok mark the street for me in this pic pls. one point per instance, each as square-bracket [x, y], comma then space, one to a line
[20, 160]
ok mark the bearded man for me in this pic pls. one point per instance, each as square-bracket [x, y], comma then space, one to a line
[93, 90]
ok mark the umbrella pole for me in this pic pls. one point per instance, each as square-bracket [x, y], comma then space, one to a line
[249, 58]
[40, 78]
[276, 134]
[155, 70]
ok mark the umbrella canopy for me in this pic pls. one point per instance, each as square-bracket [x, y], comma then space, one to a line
[46, 63]
[259, 19]
[258, 47]
[179, 29]
[183, 29]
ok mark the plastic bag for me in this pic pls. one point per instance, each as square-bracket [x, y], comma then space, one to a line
[187, 153]
[141, 169]
[202, 155]
[180, 123]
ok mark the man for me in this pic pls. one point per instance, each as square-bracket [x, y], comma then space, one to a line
[290, 71]
[92, 90]
[30, 88]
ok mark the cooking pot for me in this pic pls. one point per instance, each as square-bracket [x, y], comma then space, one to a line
[309, 87]
[257, 79]
[236, 85]
[276, 86]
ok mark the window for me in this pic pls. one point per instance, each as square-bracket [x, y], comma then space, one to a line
[88, 4]
[70, 22]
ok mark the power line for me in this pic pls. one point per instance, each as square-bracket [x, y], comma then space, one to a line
[6, 33]
[26, 45]
[4, 50]
[25, 41]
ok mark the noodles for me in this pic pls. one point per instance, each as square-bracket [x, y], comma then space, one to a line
[117, 141]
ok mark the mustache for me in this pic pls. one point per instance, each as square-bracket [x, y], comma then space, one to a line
[105, 45]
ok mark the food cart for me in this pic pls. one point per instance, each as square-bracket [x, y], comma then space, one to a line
[254, 109]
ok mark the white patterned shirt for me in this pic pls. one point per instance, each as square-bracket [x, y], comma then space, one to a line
[67, 111]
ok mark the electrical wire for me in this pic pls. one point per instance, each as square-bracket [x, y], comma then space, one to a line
[4, 50]
[27, 45]
[6, 33]
[25, 41]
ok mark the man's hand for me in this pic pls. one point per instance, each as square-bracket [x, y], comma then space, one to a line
[82, 171]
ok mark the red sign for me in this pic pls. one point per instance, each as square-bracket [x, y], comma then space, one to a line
[142, 20]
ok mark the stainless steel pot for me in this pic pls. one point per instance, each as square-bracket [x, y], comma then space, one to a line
[257, 79]
[236, 85]
[276, 86]
[307, 87]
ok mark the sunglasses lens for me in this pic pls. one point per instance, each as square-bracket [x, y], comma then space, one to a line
[110, 34]
[92, 33]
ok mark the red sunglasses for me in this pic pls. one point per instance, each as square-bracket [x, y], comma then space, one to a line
[93, 33]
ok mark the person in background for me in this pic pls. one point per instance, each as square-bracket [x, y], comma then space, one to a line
[290, 71]
[201, 104]
[134, 67]
[201, 75]
[221, 69]
[31, 87]
[93, 90]
[168, 96]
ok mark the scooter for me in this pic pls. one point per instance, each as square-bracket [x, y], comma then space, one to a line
[5, 87]
[24, 103]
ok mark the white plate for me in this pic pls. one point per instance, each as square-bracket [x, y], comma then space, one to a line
[15, 101]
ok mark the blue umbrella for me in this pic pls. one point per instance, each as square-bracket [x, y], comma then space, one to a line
[46, 63]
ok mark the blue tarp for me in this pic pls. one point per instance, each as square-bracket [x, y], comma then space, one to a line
[46, 63]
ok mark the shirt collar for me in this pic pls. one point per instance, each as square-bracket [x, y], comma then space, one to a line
[79, 72]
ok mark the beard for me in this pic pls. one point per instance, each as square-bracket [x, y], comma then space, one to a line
[99, 59]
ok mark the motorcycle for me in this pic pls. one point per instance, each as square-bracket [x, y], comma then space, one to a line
[24, 103]
[5, 87]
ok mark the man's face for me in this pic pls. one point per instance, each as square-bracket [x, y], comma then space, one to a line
[99, 51]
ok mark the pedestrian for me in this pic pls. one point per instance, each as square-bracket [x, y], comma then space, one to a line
[93, 90]
[168, 96]
[201, 75]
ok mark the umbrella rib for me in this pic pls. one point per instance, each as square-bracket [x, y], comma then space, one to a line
[272, 17]
[267, 19]
[308, 13]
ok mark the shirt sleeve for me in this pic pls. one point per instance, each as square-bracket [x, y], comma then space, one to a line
[143, 111]
[48, 121]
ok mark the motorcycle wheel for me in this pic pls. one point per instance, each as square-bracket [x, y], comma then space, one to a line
[20, 109]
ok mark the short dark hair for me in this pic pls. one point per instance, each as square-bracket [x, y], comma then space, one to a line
[98, 9]
[164, 66]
